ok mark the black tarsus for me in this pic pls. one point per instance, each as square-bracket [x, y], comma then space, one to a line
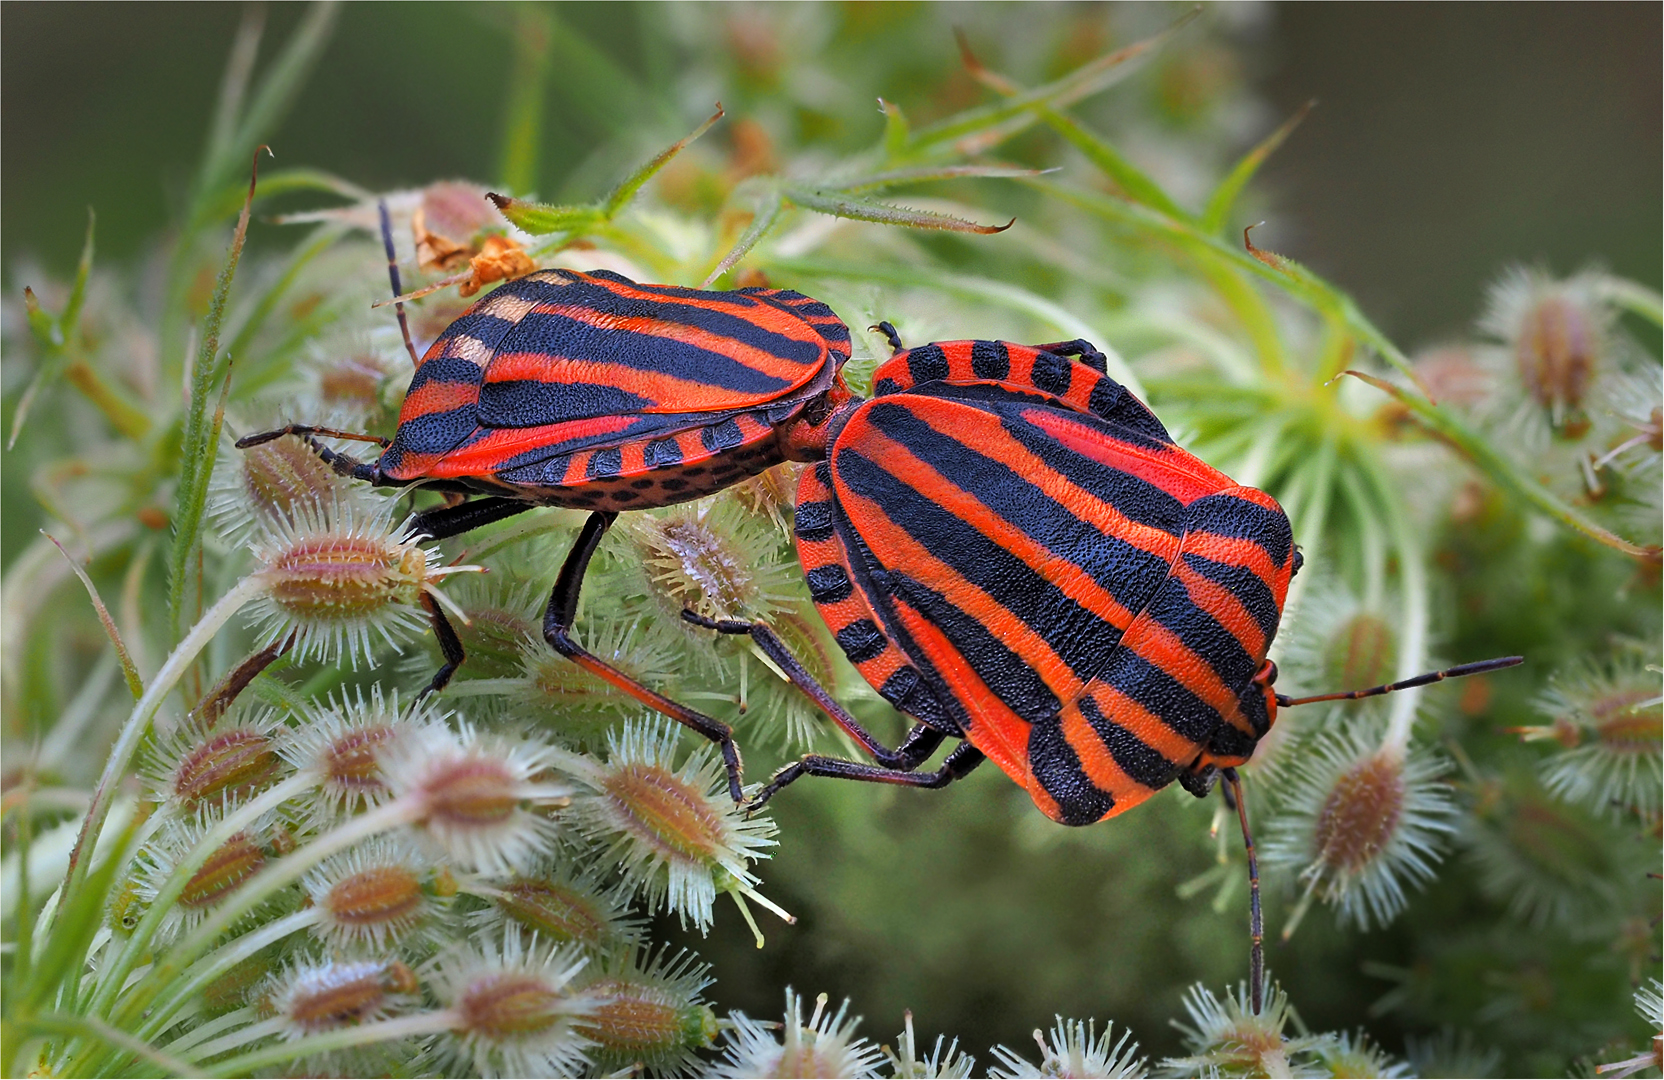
[962, 760]
[557, 631]
[393, 277]
[1256, 919]
[889, 331]
[898, 766]
[1080, 347]
[1476, 668]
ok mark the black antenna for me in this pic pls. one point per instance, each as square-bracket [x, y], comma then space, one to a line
[1475, 668]
[393, 276]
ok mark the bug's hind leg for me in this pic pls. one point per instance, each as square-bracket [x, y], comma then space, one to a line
[920, 742]
[344, 464]
[1080, 347]
[557, 631]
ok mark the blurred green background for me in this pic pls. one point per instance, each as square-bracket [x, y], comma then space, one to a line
[1449, 138]
[1449, 141]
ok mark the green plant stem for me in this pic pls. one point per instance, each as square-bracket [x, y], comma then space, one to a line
[401, 1027]
[1412, 577]
[138, 721]
[112, 979]
[262, 885]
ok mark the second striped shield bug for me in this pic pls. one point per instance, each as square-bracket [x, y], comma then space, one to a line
[1011, 548]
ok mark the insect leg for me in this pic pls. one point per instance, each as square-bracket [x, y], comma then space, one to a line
[1085, 350]
[908, 756]
[557, 631]
[446, 521]
[341, 463]
[450, 646]
[890, 335]
[962, 760]
[1256, 920]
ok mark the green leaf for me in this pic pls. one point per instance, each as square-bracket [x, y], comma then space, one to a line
[767, 211]
[1225, 195]
[895, 129]
[824, 202]
[523, 114]
[1633, 297]
[201, 433]
[540, 219]
[624, 192]
[898, 177]
[1090, 78]
[79, 915]
[135, 684]
[229, 199]
[54, 335]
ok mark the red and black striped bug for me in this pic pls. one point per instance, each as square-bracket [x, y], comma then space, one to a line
[589, 391]
[1011, 549]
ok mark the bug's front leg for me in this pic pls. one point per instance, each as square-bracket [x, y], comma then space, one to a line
[557, 631]
[962, 760]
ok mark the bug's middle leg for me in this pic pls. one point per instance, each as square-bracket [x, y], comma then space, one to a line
[557, 631]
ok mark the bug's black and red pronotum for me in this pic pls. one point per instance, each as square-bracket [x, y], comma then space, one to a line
[589, 391]
[1012, 550]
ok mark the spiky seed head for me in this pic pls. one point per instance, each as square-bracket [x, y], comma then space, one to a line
[1361, 653]
[338, 575]
[342, 741]
[513, 1012]
[771, 493]
[649, 1013]
[1608, 719]
[1075, 1049]
[372, 897]
[563, 907]
[713, 558]
[1226, 1037]
[206, 763]
[317, 997]
[475, 797]
[1361, 820]
[268, 483]
[826, 1046]
[1555, 331]
[673, 830]
[232, 863]
[1356, 1054]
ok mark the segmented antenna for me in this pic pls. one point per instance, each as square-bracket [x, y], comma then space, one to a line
[393, 276]
[1475, 668]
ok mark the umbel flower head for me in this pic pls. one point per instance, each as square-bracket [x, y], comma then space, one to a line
[943, 1063]
[1075, 1049]
[512, 1012]
[648, 1012]
[1360, 820]
[339, 574]
[1226, 1037]
[674, 831]
[827, 1046]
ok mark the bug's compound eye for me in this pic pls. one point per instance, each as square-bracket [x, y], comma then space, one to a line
[1266, 675]
[1299, 561]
